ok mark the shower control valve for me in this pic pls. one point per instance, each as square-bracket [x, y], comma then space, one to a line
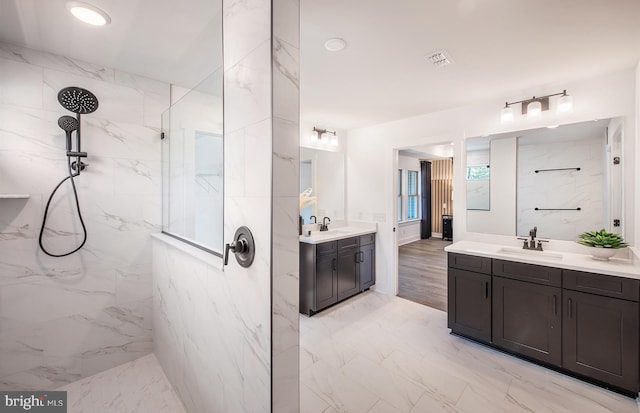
[243, 246]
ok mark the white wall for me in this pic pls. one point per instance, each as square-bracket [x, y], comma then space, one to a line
[66, 318]
[370, 151]
[637, 153]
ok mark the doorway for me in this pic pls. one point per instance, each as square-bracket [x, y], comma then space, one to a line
[424, 222]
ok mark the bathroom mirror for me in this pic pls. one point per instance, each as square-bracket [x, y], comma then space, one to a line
[321, 184]
[564, 180]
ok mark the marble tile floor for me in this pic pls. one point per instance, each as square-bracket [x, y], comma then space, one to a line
[139, 386]
[376, 353]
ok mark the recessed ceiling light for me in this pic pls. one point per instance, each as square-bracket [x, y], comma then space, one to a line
[88, 13]
[335, 45]
[552, 126]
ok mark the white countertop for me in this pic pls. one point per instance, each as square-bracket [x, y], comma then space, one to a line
[334, 234]
[568, 260]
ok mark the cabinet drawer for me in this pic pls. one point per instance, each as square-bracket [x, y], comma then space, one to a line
[348, 243]
[528, 272]
[367, 239]
[470, 263]
[326, 248]
[606, 285]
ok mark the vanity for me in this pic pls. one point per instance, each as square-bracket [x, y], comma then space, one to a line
[559, 309]
[335, 265]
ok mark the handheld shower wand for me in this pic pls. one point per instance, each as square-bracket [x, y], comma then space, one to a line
[68, 124]
[78, 101]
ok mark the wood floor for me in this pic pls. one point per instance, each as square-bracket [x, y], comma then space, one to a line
[422, 272]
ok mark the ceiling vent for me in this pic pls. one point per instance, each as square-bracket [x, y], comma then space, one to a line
[440, 58]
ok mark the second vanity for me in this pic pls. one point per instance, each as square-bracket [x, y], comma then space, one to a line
[563, 310]
[335, 265]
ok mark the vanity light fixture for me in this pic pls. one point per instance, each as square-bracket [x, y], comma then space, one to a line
[534, 107]
[323, 136]
[88, 13]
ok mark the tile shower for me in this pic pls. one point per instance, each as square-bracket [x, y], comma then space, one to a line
[65, 319]
[62, 319]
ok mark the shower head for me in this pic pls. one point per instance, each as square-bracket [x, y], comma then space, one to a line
[68, 124]
[78, 100]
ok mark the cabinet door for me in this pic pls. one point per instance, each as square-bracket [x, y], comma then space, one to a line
[469, 311]
[348, 277]
[326, 285]
[600, 339]
[367, 266]
[527, 319]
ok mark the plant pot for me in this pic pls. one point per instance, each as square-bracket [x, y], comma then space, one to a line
[602, 254]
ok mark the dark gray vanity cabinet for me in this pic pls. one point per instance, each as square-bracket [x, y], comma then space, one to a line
[318, 276]
[469, 296]
[348, 274]
[527, 317]
[582, 323]
[333, 271]
[600, 332]
[367, 261]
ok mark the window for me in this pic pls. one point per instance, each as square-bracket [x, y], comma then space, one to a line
[399, 195]
[480, 172]
[412, 195]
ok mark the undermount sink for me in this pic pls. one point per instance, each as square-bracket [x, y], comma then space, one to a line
[522, 251]
[337, 232]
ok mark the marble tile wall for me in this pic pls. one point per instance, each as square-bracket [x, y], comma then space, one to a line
[62, 319]
[285, 206]
[561, 189]
[228, 338]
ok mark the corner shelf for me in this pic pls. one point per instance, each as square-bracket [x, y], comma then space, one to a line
[14, 196]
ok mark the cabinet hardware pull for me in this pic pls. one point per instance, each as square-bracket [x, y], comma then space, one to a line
[486, 289]
[333, 264]
[361, 256]
[570, 308]
[555, 305]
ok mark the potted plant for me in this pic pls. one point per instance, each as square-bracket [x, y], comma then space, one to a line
[603, 245]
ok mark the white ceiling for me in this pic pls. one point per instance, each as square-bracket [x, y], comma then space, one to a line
[169, 40]
[500, 47]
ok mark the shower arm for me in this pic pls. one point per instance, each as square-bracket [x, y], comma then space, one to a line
[78, 152]
[77, 165]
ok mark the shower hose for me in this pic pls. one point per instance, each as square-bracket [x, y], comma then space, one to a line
[46, 211]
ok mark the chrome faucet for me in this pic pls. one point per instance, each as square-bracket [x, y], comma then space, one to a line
[530, 243]
[325, 225]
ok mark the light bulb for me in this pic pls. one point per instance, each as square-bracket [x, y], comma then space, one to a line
[565, 104]
[334, 140]
[506, 115]
[534, 109]
[88, 13]
[324, 139]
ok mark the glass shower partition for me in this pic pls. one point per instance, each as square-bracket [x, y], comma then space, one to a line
[192, 166]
